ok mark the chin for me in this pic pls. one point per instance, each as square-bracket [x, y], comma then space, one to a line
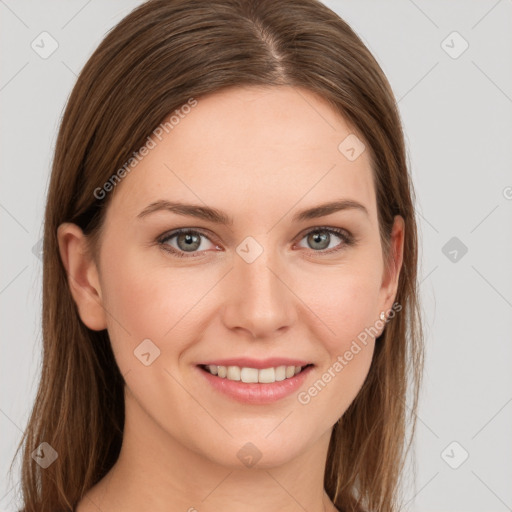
[255, 451]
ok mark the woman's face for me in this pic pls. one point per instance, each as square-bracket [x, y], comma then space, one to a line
[270, 285]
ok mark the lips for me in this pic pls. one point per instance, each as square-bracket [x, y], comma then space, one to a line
[255, 393]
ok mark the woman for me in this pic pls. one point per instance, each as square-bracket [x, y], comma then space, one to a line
[230, 309]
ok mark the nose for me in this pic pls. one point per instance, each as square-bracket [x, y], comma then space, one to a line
[258, 299]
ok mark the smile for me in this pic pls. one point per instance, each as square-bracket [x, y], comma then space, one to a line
[254, 375]
[255, 386]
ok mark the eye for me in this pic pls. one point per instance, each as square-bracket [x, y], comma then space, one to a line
[320, 239]
[187, 241]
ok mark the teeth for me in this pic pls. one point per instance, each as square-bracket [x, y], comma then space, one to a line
[266, 375]
[247, 374]
[233, 373]
[281, 373]
[252, 375]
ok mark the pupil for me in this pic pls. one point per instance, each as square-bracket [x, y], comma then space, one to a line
[189, 240]
[319, 238]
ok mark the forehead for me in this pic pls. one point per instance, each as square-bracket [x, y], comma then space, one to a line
[251, 149]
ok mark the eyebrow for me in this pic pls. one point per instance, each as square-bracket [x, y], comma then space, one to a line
[219, 217]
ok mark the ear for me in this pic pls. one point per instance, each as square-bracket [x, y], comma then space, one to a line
[83, 277]
[392, 268]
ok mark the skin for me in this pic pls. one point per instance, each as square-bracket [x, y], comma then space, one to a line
[261, 155]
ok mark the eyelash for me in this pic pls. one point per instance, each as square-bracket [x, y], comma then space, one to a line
[347, 238]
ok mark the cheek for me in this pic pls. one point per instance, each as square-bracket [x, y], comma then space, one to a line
[349, 311]
[345, 299]
[143, 301]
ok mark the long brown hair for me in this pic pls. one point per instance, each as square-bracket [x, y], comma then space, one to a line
[157, 58]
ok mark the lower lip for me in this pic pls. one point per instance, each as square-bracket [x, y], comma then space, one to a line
[256, 393]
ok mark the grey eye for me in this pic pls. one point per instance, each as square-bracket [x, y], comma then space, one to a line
[188, 242]
[323, 239]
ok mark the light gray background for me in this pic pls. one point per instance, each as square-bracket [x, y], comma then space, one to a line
[457, 119]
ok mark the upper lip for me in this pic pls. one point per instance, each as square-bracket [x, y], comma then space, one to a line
[247, 362]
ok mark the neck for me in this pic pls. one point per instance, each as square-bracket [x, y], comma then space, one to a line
[155, 471]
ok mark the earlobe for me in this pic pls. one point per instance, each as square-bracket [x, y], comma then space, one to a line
[82, 274]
